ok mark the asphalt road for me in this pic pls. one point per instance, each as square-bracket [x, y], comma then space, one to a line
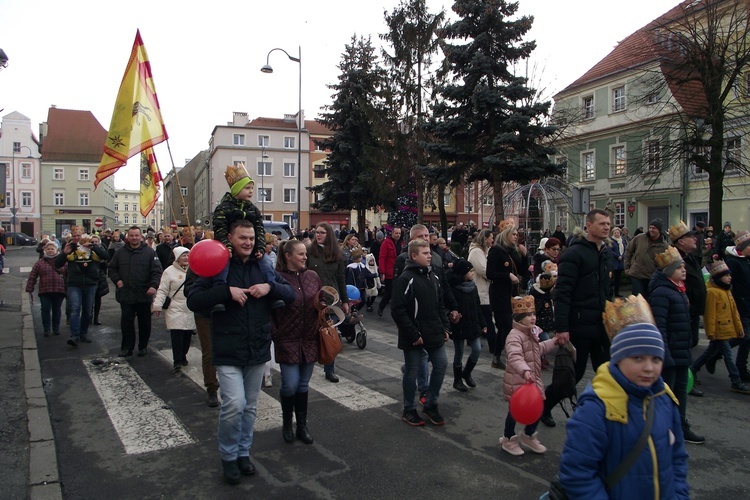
[135, 430]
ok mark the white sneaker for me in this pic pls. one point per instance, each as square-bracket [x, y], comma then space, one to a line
[511, 445]
[531, 442]
[267, 381]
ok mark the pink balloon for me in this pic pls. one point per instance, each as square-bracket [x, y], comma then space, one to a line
[208, 258]
[526, 404]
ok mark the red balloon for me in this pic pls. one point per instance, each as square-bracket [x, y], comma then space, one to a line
[208, 258]
[526, 404]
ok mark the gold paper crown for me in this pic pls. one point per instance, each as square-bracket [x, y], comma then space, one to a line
[669, 256]
[549, 267]
[718, 267]
[234, 173]
[523, 305]
[678, 231]
[742, 240]
[505, 224]
[623, 312]
[547, 281]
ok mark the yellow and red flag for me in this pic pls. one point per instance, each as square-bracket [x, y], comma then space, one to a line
[150, 179]
[136, 120]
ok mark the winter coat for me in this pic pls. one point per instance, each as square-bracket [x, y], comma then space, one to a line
[695, 285]
[545, 310]
[230, 210]
[501, 262]
[373, 284]
[294, 328]
[358, 275]
[240, 335]
[617, 264]
[582, 288]
[721, 319]
[82, 266]
[640, 255]
[437, 269]
[537, 260]
[417, 308]
[138, 269]
[51, 279]
[113, 247]
[177, 315]
[472, 320]
[387, 258]
[672, 314]
[478, 259]
[524, 354]
[330, 273]
[606, 425]
[739, 267]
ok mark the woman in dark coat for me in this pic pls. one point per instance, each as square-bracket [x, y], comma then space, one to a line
[295, 337]
[507, 272]
[619, 245]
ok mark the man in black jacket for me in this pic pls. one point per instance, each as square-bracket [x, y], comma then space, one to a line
[686, 242]
[164, 250]
[241, 343]
[422, 322]
[737, 258]
[135, 270]
[582, 290]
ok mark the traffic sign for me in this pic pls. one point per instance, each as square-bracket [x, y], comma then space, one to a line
[98, 222]
[173, 225]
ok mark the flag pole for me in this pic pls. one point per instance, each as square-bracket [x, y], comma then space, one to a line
[179, 187]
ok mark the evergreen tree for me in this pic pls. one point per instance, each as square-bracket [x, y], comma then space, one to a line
[487, 123]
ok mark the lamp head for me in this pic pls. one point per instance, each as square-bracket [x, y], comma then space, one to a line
[266, 69]
[3, 59]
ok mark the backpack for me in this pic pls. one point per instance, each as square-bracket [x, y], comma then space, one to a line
[564, 376]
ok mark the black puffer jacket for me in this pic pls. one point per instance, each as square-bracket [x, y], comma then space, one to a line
[417, 308]
[696, 286]
[672, 314]
[240, 335]
[740, 269]
[582, 289]
[472, 321]
[83, 270]
[295, 327]
[139, 269]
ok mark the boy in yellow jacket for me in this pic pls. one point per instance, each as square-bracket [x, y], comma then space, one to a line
[722, 322]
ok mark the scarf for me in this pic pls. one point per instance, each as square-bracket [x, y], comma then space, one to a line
[466, 286]
[619, 245]
[679, 284]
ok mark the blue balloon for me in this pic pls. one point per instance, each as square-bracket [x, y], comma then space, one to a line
[353, 292]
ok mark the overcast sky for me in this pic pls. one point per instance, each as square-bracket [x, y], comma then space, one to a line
[206, 56]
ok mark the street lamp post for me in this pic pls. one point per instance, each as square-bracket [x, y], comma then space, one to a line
[268, 69]
[14, 208]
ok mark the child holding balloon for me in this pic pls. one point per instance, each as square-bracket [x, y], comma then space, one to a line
[524, 354]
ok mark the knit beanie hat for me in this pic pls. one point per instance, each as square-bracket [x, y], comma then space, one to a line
[462, 266]
[639, 339]
[658, 224]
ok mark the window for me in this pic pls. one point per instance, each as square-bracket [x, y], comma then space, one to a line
[182, 210]
[562, 218]
[618, 161]
[59, 199]
[117, 218]
[290, 195]
[58, 174]
[238, 139]
[319, 197]
[83, 174]
[83, 198]
[117, 206]
[26, 199]
[618, 99]
[265, 194]
[25, 170]
[447, 197]
[153, 222]
[264, 169]
[488, 199]
[263, 141]
[652, 98]
[267, 217]
[653, 156]
[733, 149]
[289, 143]
[289, 169]
[619, 219]
[127, 206]
[288, 219]
[588, 168]
[698, 159]
[319, 171]
[127, 220]
[588, 107]
[184, 190]
[143, 220]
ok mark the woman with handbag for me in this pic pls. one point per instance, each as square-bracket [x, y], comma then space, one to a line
[52, 288]
[294, 332]
[169, 297]
[326, 259]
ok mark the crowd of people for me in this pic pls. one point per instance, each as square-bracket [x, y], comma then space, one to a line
[264, 307]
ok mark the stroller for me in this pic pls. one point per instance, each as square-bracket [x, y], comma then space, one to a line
[352, 327]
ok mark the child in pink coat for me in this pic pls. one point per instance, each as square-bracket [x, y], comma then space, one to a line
[524, 366]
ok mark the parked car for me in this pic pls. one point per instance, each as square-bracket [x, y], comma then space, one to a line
[272, 226]
[19, 238]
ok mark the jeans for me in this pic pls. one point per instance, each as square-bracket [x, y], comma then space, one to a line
[744, 350]
[127, 324]
[81, 300]
[412, 362]
[180, 345]
[510, 427]
[676, 377]
[725, 348]
[458, 354]
[240, 386]
[51, 311]
[203, 326]
[295, 378]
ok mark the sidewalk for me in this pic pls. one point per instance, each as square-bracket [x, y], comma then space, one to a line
[28, 466]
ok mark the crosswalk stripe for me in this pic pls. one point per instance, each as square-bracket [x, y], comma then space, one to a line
[143, 421]
[26, 269]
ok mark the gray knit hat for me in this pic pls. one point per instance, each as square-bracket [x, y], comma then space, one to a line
[640, 339]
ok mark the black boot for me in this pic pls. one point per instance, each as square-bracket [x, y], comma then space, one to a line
[300, 410]
[287, 408]
[467, 373]
[498, 361]
[458, 383]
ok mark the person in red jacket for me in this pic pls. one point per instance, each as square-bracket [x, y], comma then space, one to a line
[388, 252]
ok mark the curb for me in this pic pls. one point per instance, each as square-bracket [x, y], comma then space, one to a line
[44, 478]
